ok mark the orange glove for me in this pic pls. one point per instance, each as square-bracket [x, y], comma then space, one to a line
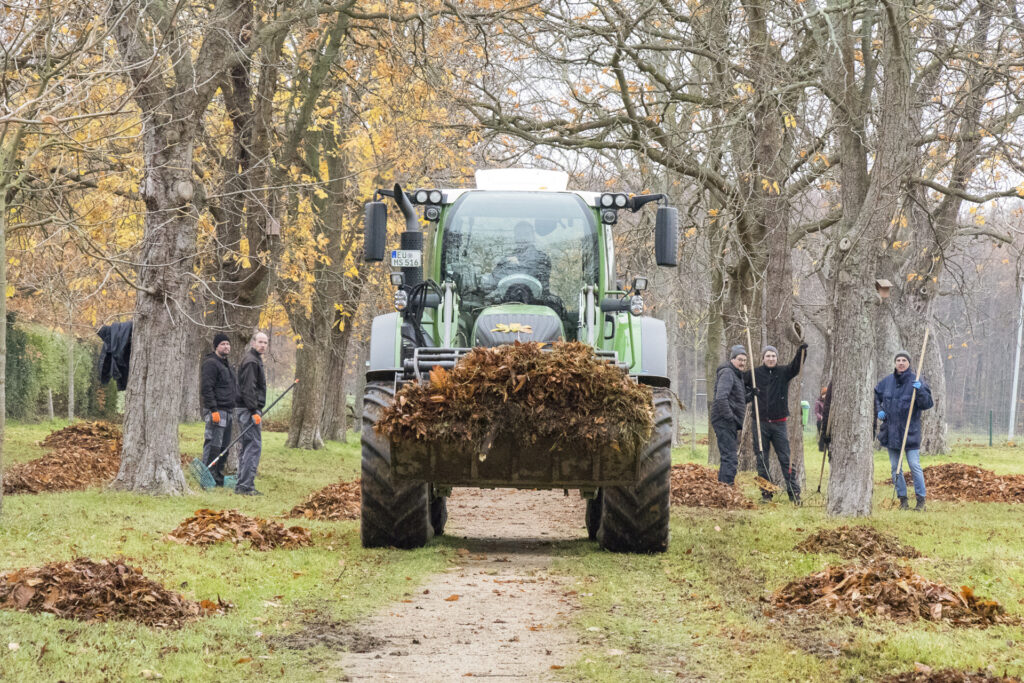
[256, 419]
[215, 416]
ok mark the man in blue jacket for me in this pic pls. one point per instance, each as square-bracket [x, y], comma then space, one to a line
[892, 403]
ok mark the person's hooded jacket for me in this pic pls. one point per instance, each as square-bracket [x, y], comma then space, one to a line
[218, 387]
[730, 402]
[892, 395]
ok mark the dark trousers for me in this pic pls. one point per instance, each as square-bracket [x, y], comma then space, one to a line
[728, 443]
[216, 438]
[774, 436]
[252, 447]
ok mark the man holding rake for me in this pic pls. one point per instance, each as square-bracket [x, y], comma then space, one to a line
[893, 396]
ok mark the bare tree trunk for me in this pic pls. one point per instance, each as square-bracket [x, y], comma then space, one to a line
[3, 339]
[308, 397]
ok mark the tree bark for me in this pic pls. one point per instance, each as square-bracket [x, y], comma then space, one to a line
[311, 363]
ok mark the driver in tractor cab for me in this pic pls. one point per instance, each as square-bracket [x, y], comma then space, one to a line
[527, 259]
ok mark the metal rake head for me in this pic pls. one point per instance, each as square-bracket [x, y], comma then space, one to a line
[202, 473]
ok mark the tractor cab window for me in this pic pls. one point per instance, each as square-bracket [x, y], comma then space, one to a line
[529, 247]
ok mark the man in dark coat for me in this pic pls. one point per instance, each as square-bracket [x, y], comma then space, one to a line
[116, 353]
[252, 390]
[727, 410]
[218, 391]
[892, 403]
[773, 403]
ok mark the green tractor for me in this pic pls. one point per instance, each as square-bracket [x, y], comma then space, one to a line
[517, 258]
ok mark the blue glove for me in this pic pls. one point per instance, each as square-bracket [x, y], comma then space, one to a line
[881, 414]
[917, 384]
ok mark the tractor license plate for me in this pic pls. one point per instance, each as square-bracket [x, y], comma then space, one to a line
[406, 258]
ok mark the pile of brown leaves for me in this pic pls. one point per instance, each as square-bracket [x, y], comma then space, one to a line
[339, 501]
[517, 391]
[852, 542]
[99, 591]
[925, 674]
[86, 454]
[889, 590]
[695, 485]
[207, 527]
[959, 482]
[274, 425]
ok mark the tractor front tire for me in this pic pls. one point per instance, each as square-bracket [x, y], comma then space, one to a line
[394, 513]
[635, 519]
[593, 517]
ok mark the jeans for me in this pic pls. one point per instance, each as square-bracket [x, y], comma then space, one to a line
[774, 435]
[252, 447]
[726, 433]
[216, 438]
[913, 458]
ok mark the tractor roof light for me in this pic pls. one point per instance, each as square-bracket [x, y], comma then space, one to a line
[609, 216]
[620, 201]
[432, 213]
[636, 304]
[436, 197]
[607, 200]
[421, 196]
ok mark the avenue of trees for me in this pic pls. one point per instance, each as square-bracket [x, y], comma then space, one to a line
[197, 167]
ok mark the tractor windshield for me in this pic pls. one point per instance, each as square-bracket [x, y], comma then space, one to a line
[530, 247]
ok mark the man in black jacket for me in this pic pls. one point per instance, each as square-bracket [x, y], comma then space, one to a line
[727, 410]
[218, 391]
[773, 404]
[252, 390]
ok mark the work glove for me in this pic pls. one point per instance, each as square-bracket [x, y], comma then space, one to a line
[256, 419]
[917, 384]
[881, 414]
[215, 416]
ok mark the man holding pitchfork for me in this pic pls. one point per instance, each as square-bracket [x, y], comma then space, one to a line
[893, 398]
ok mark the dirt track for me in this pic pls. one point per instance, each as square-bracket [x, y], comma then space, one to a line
[498, 613]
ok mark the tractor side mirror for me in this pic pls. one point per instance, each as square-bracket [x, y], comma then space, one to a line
[666, 236]
[375, 231]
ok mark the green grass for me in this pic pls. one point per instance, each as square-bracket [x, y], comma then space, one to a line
[701, 610]
[274, 592]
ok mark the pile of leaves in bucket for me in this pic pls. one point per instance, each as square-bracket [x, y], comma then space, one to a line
[853, 542]
[566, 396]
[332, 503]
[207, 527]
[959, 482]
[889, 590]
[925, 674]
[99, 591]
[695, 485]
[85, 454]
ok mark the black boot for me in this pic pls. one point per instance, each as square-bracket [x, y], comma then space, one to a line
[903, 503]
[919, 507]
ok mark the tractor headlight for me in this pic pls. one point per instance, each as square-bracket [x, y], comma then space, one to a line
[432, 213]
[401, 299]
[607, 200]
[620, 201]
[609, 216]
[435, 197]
[636, 304]
[421, 196]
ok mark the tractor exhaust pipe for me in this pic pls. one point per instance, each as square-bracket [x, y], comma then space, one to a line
[411, 238]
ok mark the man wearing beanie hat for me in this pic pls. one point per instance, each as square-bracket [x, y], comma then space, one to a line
[218, 392]
[892, 404]
[773, 404]
[727, 410]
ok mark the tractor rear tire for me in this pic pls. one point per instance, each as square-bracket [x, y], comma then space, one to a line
[635, 519]
[394, 513]
[593, 516]
[438, 514]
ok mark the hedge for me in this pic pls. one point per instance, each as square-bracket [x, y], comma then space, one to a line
[37, 361]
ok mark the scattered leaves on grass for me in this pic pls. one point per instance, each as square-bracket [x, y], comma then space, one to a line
[695, 485]
[207, 527]
[889, 590]
[274, 425]
[335, 502]
[924, 674]
[99, 591]
[959, 482]
[517, 391]
[852, 542]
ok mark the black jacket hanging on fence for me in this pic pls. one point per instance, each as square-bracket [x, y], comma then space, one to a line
[116, 352]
